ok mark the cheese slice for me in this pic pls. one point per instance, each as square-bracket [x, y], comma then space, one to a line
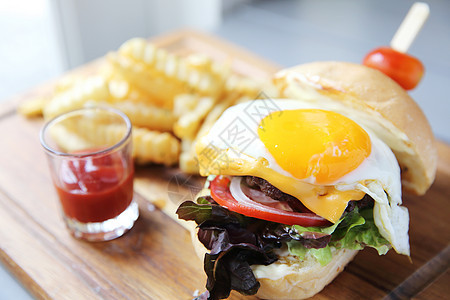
[325, 201]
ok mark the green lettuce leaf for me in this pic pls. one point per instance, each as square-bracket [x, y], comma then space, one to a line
[296, 248]
[363, 235]
[322, 255]
[354, 231]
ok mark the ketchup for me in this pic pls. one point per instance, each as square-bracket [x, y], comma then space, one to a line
[95, 189]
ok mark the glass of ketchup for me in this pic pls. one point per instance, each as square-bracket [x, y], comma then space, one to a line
[90, 159]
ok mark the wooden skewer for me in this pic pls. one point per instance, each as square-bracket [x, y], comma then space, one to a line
[410, 27]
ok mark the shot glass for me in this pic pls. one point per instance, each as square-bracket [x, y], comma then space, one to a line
[90, 159]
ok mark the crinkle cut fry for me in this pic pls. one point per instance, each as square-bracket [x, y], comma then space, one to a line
[143, 114]
[200, 72]
[159, 89]
[188, 124]
[148, 146]
[173, 75]
[33, 107]
[188, 158]
[93, 88]
[156, 147]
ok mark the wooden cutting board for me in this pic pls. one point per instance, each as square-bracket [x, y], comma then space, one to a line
[155, 260]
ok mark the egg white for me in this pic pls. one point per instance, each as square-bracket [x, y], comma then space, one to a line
[378, 175]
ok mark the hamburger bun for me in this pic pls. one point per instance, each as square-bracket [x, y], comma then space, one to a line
[377, 103]
[385, 107]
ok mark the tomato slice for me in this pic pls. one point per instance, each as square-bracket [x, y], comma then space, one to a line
[405, 69]
[220, 192]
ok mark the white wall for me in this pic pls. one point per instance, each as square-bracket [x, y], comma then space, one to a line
[88, 29]
[29, 53]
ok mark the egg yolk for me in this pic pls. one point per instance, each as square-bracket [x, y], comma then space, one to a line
[314, 144]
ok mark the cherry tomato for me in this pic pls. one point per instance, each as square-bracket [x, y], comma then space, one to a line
[220, 192]
[405, 69]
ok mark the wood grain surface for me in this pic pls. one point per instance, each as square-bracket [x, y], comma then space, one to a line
[155, 260]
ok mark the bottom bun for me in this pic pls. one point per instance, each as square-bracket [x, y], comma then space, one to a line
[289, 277]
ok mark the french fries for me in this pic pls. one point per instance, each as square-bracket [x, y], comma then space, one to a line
[33, 108]
[171, 101]
[188, 123]
[144, 115]
[94, 88]
[156, 147]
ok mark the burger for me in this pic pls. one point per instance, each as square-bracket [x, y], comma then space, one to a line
[297, 186]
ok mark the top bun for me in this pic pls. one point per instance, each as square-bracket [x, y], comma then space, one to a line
[386, 107]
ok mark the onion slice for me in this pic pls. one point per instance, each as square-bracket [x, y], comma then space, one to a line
[290, 217]
[257, 195]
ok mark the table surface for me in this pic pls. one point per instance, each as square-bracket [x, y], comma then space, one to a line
[155, 259]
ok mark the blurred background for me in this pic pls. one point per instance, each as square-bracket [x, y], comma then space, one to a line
[41, 39]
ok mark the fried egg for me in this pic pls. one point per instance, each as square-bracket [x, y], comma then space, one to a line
[323, 157]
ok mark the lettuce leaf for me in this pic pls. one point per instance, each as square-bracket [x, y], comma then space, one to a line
[201, 213]
[296, 248]
[322, 255]
[354, 231]
[356, 237]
